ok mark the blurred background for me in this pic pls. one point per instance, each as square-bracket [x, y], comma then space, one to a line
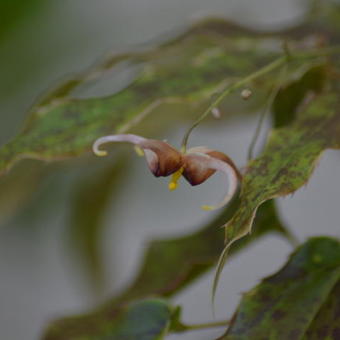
[41, 276]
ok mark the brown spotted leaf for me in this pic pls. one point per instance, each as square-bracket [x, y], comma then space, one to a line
[285, 165]
[326, 324]
[298, 301]
[189, 68]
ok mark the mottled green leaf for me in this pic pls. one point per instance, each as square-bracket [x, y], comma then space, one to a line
[284, 305]
[168, 266]
[142, 320]
[286, 163]
[326, 324]
[190, 69]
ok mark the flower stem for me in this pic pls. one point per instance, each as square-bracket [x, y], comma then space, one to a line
[230, 89]
[244, 81]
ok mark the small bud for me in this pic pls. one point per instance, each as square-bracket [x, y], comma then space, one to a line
[216, 112]
[246, 94]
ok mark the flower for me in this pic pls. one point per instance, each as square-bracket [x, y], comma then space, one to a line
[196, 165]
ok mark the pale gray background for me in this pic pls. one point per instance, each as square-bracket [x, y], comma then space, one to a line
[37, 279]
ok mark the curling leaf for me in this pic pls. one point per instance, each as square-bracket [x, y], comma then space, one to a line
[290, 304]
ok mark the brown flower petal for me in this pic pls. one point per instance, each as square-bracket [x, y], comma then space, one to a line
[196, 173]
[162, 158]
[198, 166]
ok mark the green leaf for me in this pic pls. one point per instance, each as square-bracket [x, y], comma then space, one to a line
[326, 324]
[291, 96]
[188, 69]
[142, 320]
[285, 165]
[168, 266]
[287, 305]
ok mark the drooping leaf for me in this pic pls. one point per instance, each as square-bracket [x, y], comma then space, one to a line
[142, 320]
[285, 165]
[168, 266]
[288, 304]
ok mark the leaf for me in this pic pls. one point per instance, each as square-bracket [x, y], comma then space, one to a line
[167, 267]
[189, 68]
[285, 165]
[326, 324]
[284, 305]
[142, 320]
[291, 96]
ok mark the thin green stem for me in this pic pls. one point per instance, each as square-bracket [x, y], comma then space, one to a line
[230, 89]
[244, 81]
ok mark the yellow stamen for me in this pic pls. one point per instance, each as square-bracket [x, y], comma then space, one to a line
[207, 207]
[173, 185]
[139, 151]
[100, 153]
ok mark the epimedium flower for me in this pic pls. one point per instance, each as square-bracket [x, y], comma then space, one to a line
[196, 165]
